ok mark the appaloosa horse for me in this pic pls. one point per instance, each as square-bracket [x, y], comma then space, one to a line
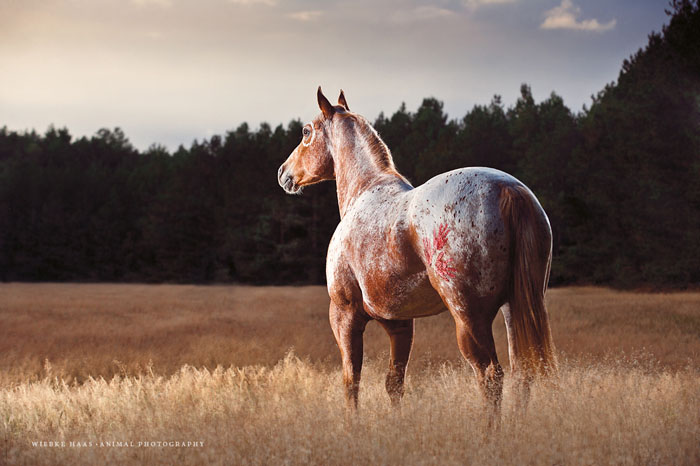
[472, 241]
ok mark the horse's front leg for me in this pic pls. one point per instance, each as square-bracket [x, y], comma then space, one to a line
[401, 336]
[348, 326]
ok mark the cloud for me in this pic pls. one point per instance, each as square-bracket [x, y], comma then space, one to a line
[565, 16]
[421, 13]
[311, 15]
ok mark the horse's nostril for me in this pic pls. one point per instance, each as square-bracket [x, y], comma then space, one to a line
[279, 172]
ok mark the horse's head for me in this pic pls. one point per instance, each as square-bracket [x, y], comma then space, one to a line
[312, 162]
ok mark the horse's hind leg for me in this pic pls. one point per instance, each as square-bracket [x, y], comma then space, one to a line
[475, 340]
[522, 380]
[401, 336]
[348, 327]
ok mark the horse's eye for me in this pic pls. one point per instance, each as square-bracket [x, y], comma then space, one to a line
[306, 132]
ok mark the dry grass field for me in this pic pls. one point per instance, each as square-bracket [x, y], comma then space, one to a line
[129, 373]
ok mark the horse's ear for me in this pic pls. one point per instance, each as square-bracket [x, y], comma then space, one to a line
[324, 105]
[342, 101]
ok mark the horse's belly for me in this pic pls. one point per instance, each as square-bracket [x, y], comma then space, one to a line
[402, 298]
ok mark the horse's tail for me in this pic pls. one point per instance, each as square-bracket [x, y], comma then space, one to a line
[531, 255]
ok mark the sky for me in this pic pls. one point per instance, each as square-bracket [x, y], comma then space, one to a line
[171, 71]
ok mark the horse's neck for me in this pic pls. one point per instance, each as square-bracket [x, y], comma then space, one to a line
[356, 171]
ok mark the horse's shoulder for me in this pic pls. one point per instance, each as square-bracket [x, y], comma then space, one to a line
[341, 280]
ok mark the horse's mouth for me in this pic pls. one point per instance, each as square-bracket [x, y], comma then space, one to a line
[290, 187]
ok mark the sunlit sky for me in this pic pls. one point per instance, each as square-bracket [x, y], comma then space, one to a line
[171, 71]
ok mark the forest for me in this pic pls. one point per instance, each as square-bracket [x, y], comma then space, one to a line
[620, 181]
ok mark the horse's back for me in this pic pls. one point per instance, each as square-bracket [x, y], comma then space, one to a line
[470, 195]
[465, 181]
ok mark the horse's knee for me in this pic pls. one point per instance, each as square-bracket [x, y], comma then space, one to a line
[401, 335]
[348, 327]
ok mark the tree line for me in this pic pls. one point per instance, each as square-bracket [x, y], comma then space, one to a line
[620, 181]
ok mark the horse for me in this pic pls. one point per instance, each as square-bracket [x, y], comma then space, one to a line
[472, 241]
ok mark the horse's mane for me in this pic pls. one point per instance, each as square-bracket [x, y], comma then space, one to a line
[379, 151]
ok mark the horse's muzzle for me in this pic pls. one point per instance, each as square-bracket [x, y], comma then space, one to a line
[286, 181]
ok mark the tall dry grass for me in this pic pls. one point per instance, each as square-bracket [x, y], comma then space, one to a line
[292, 413]
[212, 365]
